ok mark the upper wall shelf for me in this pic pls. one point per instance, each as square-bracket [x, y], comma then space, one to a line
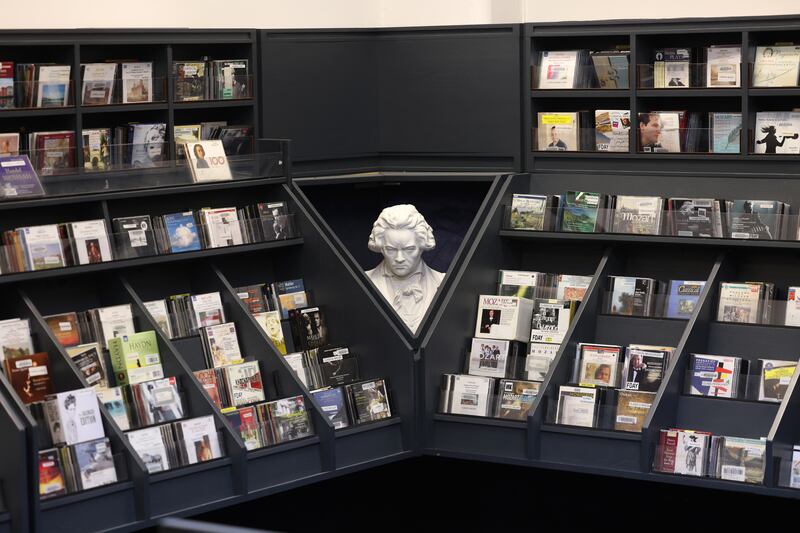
[118, 108]
[580, 93]
[216, 104]
[643, 38]
[157, 98]
[689, 93]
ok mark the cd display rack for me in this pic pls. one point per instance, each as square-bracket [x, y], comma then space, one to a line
[159, 101]
[636, 92]
[538, 442]
[141, 498]
[475, 115]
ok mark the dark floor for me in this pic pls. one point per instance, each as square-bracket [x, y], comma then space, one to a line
[472, 496]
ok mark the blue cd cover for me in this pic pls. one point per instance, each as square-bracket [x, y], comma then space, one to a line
[182, 231]
[332, 403]
[18, 179]
[682, 298]
[704, 371]
[287, 295]
[116, 408]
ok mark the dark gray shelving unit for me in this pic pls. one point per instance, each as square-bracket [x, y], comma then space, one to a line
[354, 319]
[116, 506]
[448, 106]
[162, 47]
[168, 492]
[643, 37]
[539, 443]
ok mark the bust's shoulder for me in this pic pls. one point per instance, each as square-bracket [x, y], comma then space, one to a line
[375, 273]
[435, 276]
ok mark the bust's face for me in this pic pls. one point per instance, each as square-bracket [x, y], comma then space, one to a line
[401, 251]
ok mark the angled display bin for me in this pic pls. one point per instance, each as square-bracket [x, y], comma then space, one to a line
[116, 506]
[266, 467]
[747, 415]
[613, 450]
[167, 492]
[352, 321]
[445, 345]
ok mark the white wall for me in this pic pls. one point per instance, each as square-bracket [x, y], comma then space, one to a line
[564, 10]
[356, 13]
[450, 12]
[444, 12]
[53, 14]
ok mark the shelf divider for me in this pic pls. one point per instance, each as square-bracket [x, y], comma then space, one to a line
[175, 365]
[256, 343]
[695, 339]
[582, 329]
[70, 377]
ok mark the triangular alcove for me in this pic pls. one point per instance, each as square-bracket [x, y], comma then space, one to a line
[345, 207]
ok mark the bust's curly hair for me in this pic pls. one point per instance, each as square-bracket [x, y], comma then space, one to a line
[403, 216]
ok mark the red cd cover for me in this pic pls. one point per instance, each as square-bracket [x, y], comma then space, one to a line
[208, 379]
[30, 376]
[51, 478]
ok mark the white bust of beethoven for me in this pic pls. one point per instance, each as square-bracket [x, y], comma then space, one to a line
[401, 235]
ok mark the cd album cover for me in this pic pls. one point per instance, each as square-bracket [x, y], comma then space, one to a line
[290, 419]
[338, 366]
[150, 447]
[208, 161]
[65, 328]
[51, 476]
[95, 463]
[182, 232]
[333, 405]
[308, 327]
[369, 401]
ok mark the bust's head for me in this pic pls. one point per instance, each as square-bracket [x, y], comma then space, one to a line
[401, 235]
